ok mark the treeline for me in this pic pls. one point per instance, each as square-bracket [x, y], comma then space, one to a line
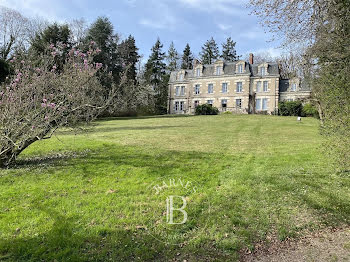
[146, 87]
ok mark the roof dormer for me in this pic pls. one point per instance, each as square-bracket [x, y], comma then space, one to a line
[263, 69]
[219, 67]
[240, 67]
[198, 70]
[181, 75]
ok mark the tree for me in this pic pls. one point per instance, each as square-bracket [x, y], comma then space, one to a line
[322, 28]
[172, 58]
[229, 52]
[53, 34]
[79, 29]
[38, 100]
[102, 33]
[155, 76]
[210, 52]
[130, 57]
[187, 58]
[13, 33]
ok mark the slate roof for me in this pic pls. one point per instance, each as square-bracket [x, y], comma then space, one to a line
[229, 69]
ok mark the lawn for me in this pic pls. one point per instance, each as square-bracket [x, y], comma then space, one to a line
[87, 197]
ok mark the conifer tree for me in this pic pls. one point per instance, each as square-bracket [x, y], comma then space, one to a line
[210, 52]
[156, 76]
[172, 58]
[229, 53]
[187, 58]
[129, 57]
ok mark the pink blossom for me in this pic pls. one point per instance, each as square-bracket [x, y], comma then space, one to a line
[98, 50]
[44, 100]
[98, 65]
[54, 53]
[43, 105]
[22, 62]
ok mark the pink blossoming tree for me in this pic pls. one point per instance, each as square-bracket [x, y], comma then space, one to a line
[42, 96]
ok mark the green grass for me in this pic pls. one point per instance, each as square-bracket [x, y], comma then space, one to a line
[77, 197]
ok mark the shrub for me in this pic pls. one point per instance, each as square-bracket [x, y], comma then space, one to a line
[206, 109]
[36, 100]
[310, 110]
[227, 113]
[290, 108]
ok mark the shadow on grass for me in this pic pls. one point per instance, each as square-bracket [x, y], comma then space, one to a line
[69, 240]
[142, 117]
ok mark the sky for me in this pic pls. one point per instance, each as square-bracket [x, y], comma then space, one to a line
[180, 21]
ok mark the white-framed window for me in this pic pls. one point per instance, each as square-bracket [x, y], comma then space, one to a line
[181, 77]
[224, 88]
[182, 106]
[266, 86]
[239, 87]
[210, 102]
[224, 103]
[210, 88]
[240, 69]
[262, 71]
[218, 70]
[289, 99]
[294, 87]
[198, 72]
[176, 107]
[197, 89]
[196, 103]
[182, 92]
[239, 103]
[264, 104]
[258, 104]
[177, 90]
[258, 86]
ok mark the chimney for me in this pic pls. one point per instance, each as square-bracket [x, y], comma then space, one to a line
[251, 58]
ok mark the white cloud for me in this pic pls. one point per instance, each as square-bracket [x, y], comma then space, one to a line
[31, 8]
[224, 27]
[162, 17]
[223, 6]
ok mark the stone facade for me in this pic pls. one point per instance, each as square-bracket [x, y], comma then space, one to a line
[240, 87]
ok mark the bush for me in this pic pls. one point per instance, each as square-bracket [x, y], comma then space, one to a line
[206, 109]
[39, 98]
[227, 113]
[291, 108]
[310, 110]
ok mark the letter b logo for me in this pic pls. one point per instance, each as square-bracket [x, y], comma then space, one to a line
[170, 210]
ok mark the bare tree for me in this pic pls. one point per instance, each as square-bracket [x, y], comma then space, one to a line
[79, 28]
[12, 31]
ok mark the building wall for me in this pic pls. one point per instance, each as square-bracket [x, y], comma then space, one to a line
[250, 97]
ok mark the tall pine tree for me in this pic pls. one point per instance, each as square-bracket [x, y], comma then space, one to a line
[129, 57]
[102, 32]
[210, 52]
[187, 58]
[173, 58]
[156, 76]
[229, 53]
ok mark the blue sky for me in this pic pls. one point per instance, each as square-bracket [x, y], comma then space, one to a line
[181, 21]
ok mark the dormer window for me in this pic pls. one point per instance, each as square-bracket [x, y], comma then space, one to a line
[294, 87]
[218, 70]
[181, 78]
[240, 69]
[262, 71]
[198, 72]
